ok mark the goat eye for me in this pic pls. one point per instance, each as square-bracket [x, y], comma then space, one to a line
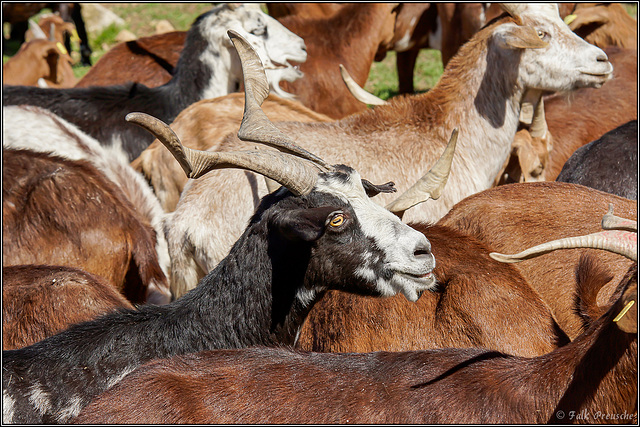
[258, 31]
[337, 220]
[541, 34]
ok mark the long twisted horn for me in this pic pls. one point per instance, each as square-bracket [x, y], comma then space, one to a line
[430, 186]
[256, 127]
[613, 222]
[617, 241]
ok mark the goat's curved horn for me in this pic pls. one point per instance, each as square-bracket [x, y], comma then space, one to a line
[52, 32]
[431, 184]
[36, 30]
[296, 175]
[538, 128]
[256, 127]
[359, 93]
[613, 222]
[517, 9]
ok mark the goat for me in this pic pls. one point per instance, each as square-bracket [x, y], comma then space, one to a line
[477, 303]
[303, 10]
[39, 59]
[604, 24]
[291, 252]
[369, 28]
[399, 139]
[17, 14]
[205, 70]
[32, 128]
[215, 118]
[609, 163]
[591, 378]
[591, 113]
[51, 24]
[62, 212]
[503, 218]
[39, 301]
[150, 61]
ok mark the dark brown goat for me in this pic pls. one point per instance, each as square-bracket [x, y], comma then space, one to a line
[593, 378]
[39, 301]
[605, 24]
[512, 217]
[147, 60]
[63, 212]
[478, 303]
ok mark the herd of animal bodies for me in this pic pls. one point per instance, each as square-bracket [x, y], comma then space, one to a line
[200, 295]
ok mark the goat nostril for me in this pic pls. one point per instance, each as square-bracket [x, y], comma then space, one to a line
[422, 252]
[602, 58]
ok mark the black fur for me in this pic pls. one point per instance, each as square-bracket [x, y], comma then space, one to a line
[608, 164]
[248, 299]
[100, 111]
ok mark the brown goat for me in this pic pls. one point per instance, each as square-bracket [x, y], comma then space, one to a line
[63, 212]
[39, 59]
[214, 118]
[303, 10]
[147, 60]
[478, 303]
[368, 28]
[52, 24]
[39, 301]
[585, 115]
[605, 24]
[512, 217]
[593, 378]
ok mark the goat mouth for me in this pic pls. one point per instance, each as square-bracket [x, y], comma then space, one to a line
[426, 278]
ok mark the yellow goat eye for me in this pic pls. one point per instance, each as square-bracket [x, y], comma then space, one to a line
[337, 220]
[541, 34]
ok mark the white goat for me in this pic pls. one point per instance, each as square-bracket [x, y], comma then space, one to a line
[480, 92]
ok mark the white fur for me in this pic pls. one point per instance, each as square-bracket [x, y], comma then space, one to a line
[8, 404]
[275, 45]
[39, 398]
[72, 409]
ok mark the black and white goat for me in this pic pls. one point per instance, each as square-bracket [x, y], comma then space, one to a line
[320, 231]
[591, 379]
[207, 68]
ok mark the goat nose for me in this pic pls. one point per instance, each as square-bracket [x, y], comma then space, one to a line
[422, 249]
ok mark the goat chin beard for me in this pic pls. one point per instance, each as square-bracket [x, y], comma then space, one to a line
[412, 287]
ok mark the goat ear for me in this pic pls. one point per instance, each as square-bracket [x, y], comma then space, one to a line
[627, 319]
[513, 36]
[304, 225]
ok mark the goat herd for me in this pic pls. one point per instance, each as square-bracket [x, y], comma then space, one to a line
[144, 284]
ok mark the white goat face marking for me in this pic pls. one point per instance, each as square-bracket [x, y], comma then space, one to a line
[567, 63]
[274, 44]
[404, 271]
[39, 398]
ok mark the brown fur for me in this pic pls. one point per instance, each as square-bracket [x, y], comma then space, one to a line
[61, 29]
[352, 37]
[584, 115]
[63, 212]
[39, 59]
[200, 126]
[593, 376]
[605, 24]
[39, 301]
[147, 60]
[514, 217]
[479, 302]
[304, 10]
